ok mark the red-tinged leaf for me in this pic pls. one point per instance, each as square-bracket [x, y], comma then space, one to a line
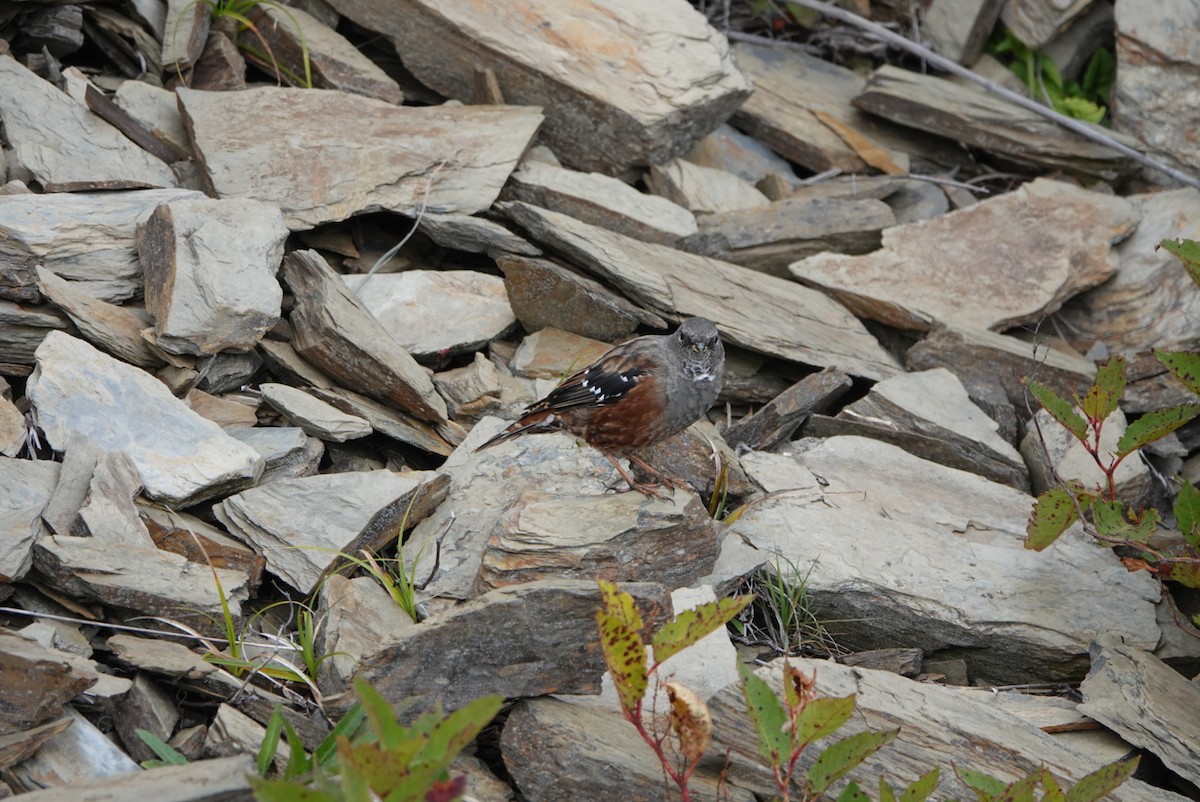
[1113, 519]
[1102, 781]
[822, 717]
[798, 688]
[1060, 409]
[852, 793]
[625, 656]
[1188, 252]
[447, 790]
[692, 625]
[1101, 400]
[841, 758]
[1187, 513]
[1053, 512]
[1184, 365]
[921, 788]
[690, 721]
[1185, 573]
[1154, 425]
[1133, 564]
[620, 604]
[769, 717]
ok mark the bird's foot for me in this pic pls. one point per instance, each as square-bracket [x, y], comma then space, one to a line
[673, 481]
[648, 490]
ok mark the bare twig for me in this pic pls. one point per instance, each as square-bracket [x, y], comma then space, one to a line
[946, 65]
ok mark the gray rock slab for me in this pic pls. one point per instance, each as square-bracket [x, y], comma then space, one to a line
[945, 269]
[77, 755]
[1146, 702]
[933, 558]
[1036, 22]
[761, 313]
[108, 512]
[939, 727]
[117, 330]
[300, 525]
[22, 330]
[63, 145]
[199, 781]
[210, 270]
[392, 423]
[181, 458]
[463, 232]
[86, 237]
[12, 428]
[312, 415]
[434, 313]
[373, 156]
[334, 331]
[359, 618]
[781, 416]
[540, 639]
[25, 489]
[699, 189]
[155, 108]
[730, 150]
[42, 680]
[657, 75]
[147, 581]
[1150, 302]
[934, 404]
[959, 28]
[601, 200]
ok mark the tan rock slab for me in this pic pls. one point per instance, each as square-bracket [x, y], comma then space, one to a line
[359, 618]
[657, 75]
[757, 312]
[201, 779]
[966, 269]
[25, 490]
[1035, 22]
[114, 329]
[41, 682]
[262, 144]
[959, 28]
[699, 189]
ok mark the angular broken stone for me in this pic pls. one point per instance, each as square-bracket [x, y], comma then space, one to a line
[771, 237]
[147, 581]
[761, 313]
[201, 779]
[933, 558]
[699, 189]
[1036, 22]
[959, 29]
[979, 119]
[81, 754]
[210, 270]
[730, 150]
[334, 330]
[436, 313]
[313, 415]
[155, 108]
[541, 639]
[621, 538]
[966, 269]
[359, 618]
[229, 412]
[115, 329]
[22, 331]
[374, 156]
[12, 428]
[335, 63]
[779, 419]
[1142, 699]
[147, 706]
[108, 512]
[462, 232]
[934, 409]
[38, 682]
[25, 489]
[232, 732]
[552, 354]
[87, 237]
[659, 75]
[392, 423]
[288, 452]
[182, 458]
[64, 146]
[601, 200]
[201, 542]
[301, 525]
[544, 294]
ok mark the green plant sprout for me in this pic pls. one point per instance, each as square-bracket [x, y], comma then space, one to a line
[1109, 519]
[782, 616]
[1086, 100]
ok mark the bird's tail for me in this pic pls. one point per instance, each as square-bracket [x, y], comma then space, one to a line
[532, 423]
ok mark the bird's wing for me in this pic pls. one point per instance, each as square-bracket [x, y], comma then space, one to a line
[605, 382]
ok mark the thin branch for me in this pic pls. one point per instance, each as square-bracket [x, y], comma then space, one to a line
[953, 67]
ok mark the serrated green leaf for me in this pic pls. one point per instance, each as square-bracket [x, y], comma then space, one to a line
[625, 656]
[769, 717]
[619, 603]
[1184, 365]
[692, 625]
[455, 731]
[1185, 573]
[287, 791]
[822, 717]
[1051, 792]
[841, 757]
[1154, 425]
[1101, 399]
[1114, 519]
[1187, 513]
[1060, 409]
[1053, 513]
[922, 788]
[1022, 790]
[886, 794]
[985, 786]
[1188, 252]
[1102, 781]
[852, 793]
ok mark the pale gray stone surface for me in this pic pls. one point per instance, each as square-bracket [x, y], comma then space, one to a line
[25, 488]
[210, 269]
[182, 458]
[64, 146]
[702, 190]
[312, 415]
[360, 618]
[155, 108]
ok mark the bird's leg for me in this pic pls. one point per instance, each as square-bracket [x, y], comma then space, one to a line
[645, 490]
[672, 481]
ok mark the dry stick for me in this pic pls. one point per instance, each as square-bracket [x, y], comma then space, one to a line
[946, 65]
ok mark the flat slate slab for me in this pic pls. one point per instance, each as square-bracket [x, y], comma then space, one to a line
[624, 83]
[181, 458]
[322, 155]
[965, 268]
